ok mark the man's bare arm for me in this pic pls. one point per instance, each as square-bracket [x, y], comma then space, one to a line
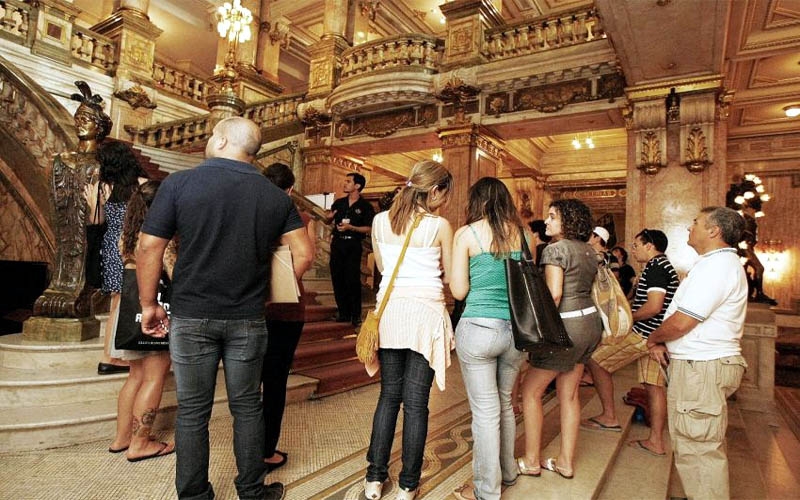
[673, 328]
[655, 301]
[149, 255]
[301, 249]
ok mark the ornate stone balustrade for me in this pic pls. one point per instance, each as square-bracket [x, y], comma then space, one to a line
[542, 34]
[416, 52]
[15, 18]
[92, 48]
[183, 134]
[277, 111]
[180, 83]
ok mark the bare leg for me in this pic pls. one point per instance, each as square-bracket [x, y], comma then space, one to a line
[109, 332]
[567, 384]
[604, 384]
[145, 406]
[533, 388]
[125, 399]
[657, 399]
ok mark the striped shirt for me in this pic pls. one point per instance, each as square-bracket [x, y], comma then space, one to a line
[658, 275]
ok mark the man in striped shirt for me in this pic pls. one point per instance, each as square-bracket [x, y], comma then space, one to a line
[654, 292]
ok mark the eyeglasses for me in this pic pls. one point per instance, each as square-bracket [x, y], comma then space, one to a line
[646, 238]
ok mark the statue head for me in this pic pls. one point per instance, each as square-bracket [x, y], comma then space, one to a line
[90, 119]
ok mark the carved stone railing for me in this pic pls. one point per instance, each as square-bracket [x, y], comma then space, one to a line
[15, 17]
[92, 48]
[275, 111]
[183, 134]
[416, 52]
[541, 34]
[180, 83]
[40, 125]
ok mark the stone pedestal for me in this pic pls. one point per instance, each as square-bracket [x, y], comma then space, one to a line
[757, 391]
[44, 329]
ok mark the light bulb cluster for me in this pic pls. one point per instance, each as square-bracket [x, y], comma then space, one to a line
[577, 144]
[748, 194]
[234, 21]
[437, 157]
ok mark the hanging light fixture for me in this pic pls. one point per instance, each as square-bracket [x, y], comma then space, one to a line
[750, 193]
[792, 111]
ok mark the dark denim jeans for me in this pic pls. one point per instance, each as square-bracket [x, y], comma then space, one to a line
[196, 347]
[405, 377]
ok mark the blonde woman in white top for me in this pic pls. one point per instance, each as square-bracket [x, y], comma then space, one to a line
[416, 336]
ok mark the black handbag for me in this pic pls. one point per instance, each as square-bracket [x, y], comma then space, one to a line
[535, 321]
[129, 334]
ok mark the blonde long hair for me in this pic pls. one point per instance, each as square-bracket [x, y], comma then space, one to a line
[425, 176]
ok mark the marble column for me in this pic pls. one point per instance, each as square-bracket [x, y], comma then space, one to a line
[669, 177]
[470, 152]
[325, 65]
[135, 38]
[467, 21]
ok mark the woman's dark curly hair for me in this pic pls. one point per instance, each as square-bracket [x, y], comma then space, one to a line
[140, 201]
[576, 219]
[119, 168]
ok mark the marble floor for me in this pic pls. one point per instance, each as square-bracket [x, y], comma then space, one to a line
[326, 440]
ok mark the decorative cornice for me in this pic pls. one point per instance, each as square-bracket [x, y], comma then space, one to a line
[136, 97]
[661, 90]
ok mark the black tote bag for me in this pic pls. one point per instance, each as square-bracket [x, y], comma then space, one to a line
[535, 322]
[129, 322]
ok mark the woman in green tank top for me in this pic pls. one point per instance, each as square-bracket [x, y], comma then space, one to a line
[484, 342]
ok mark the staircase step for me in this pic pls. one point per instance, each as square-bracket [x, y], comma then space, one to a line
[316, 313]
[16, 352]
[325, 330]
[325, 352]
[339, 377]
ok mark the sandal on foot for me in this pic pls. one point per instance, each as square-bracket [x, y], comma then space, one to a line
[166, 449]
[527, 470]
[639, 445]
[593, 424]
[271, 466]
[551, 465]
[118, 450]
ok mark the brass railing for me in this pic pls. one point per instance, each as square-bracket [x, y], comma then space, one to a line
[409, 51]
[541, 34]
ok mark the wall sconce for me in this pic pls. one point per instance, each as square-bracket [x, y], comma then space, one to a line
[792, 111]
[773, 255]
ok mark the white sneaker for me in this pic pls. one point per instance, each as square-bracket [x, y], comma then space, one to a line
[373, 489]
[404, 494]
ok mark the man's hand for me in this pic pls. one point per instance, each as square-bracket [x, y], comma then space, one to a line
[345, 226]
[658, 352]
[155, 321]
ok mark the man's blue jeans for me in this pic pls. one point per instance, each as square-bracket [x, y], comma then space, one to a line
[196, 347]
[490, 364]
[405, 377]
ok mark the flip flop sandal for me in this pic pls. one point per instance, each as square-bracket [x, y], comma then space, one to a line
[593, 424]
[550, 464]
[163, 452]
[526, 470]
[460, 492]
[639, 445]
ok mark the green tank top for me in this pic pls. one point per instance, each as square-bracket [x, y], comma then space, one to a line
[488, 290]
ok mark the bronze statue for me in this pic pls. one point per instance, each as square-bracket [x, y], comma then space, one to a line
[749, 206]
[68, 296]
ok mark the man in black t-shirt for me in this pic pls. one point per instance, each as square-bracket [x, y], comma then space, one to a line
[654, 293]
[227, 216]
[352, 220]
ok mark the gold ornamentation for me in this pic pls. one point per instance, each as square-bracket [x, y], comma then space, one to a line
[724, 104]
[651, 154]
[369, 8]
[136, 97]
[458, 93]
[552, 98]
[387, 123]
[497, 105]
[460, 40]
[696, 151]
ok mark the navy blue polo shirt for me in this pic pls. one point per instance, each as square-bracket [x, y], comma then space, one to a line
[227, 216]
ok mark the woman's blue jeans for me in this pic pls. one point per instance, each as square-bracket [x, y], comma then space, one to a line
[196, 347]
[405, 377]
[489, 365]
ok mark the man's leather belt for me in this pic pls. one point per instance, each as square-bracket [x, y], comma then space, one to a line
[346, 237]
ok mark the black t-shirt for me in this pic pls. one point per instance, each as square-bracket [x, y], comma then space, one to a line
[626, 275]
[360, 214]
[227, 216]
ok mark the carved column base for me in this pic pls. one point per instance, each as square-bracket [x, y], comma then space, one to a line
[39, 328]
